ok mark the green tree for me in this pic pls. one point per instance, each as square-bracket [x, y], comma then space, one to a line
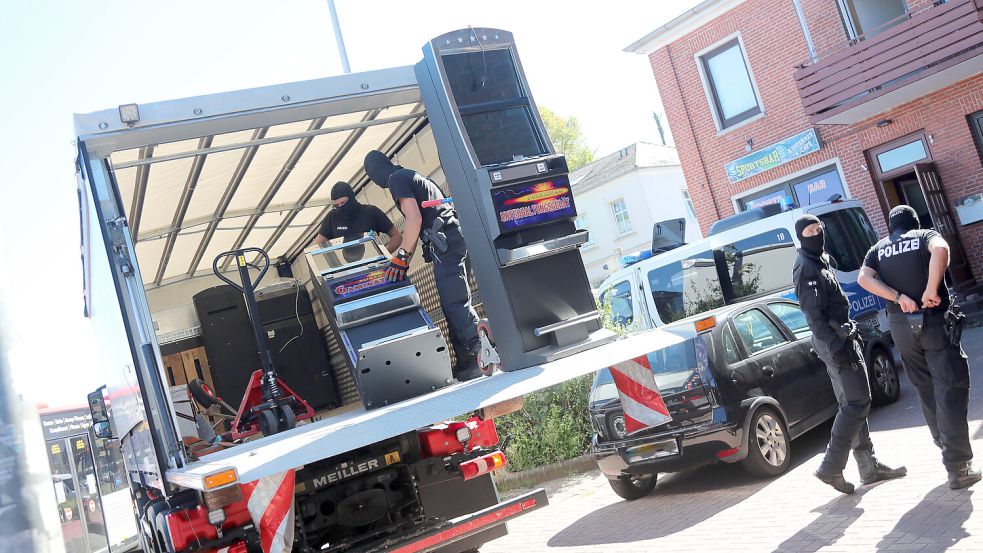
[567, 138]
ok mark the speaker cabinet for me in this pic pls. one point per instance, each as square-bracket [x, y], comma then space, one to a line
[298, 351]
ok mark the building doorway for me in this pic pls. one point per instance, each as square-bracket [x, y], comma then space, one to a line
[906, 175]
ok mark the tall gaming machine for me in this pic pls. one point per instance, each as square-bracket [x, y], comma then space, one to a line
[513, 195]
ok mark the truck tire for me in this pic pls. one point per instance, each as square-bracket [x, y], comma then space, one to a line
[769, 449]
[634, 488]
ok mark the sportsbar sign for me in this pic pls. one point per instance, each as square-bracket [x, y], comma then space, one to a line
[793, 147]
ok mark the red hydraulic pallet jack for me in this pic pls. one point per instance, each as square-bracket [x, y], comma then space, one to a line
[269, 405]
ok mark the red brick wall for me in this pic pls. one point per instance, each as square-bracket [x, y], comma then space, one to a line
[774, 45]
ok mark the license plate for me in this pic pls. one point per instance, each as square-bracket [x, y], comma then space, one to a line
[869, 321]
[647, 452]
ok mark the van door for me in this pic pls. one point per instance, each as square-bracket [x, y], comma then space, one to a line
[849, 234]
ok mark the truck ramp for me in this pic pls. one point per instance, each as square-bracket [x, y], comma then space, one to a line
[344, 432]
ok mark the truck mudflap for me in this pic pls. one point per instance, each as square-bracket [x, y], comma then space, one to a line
[462, 527]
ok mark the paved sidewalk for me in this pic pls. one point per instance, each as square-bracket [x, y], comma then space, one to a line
[721, 508]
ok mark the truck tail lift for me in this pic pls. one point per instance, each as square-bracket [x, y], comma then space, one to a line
[166, 188]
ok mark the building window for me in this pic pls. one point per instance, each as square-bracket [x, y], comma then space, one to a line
[817, 186]
[866, 18]
[729, 84]
[620, 211]
[900, 156]
[689, 204]
[976, 125]
[582, 224]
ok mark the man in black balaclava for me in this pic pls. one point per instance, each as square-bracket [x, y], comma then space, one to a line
[907, 268]
[444, 248]
[351, 219]
[834, 338]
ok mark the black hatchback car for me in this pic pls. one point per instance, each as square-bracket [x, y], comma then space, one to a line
[743, 382]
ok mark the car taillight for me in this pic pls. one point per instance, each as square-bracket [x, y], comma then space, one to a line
[483, 465]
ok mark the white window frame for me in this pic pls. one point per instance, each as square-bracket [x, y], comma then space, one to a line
[614, 214]
[708, 92]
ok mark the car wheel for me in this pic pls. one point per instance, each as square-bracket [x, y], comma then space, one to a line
[884, 385]
[635, 487]
[769, 447]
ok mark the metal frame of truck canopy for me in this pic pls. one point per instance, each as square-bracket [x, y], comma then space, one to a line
[183, 170]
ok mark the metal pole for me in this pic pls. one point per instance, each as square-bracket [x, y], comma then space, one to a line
[338, 38]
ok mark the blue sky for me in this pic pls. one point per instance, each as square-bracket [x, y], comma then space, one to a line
[60, 57]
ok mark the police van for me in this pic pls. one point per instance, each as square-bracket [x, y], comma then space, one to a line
[745, 256]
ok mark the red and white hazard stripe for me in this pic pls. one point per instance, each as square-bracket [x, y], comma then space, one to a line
[270, 502]
[640, 397]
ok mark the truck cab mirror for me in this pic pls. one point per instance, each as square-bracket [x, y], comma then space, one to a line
[102, 430]
[100, 415]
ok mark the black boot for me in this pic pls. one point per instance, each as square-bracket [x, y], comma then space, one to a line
[964, 476]
[836, 480]
[872, 470]
[466, 368]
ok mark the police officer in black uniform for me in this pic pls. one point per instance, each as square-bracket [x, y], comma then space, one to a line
[834, 338]
[351, 219]
[907, 268]
[443, 247]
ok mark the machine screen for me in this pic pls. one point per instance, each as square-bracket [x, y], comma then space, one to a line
[533, 203]
[493, 106]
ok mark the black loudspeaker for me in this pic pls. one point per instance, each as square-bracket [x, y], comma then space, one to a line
[303, 363]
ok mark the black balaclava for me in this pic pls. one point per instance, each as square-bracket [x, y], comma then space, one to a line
[902, 219]
[378, 168]
[810, 244]
[342, 189]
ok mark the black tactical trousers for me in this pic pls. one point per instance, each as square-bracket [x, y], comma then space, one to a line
[852, 391]
[939, 371]
[455, 295]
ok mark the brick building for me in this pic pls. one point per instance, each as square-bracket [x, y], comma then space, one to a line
[879, 100]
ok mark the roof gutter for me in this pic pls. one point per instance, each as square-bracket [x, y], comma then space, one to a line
[680, 25]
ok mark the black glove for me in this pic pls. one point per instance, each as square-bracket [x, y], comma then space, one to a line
[848, 331]
[398, 265]
[847, 356]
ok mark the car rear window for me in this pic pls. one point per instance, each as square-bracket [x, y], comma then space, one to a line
[675, 367]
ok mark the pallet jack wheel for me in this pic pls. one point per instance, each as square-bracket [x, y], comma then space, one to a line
[202, 393]
[286, 417]
[488, 359]
[268, 424]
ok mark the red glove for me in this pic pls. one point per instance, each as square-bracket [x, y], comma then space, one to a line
[398, 265]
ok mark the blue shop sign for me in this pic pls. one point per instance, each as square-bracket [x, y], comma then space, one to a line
[772, 156]
[819, 188]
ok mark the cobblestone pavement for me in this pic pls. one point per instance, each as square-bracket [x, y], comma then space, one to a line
[721, 508]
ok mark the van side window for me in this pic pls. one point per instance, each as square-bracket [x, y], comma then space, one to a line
[619, 298]
[849, 235]
[758, 264]
[687, 287]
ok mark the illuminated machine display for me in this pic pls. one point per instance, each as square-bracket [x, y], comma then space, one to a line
[393, 349]
[513, 195]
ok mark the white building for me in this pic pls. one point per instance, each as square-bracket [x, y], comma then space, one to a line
[621, 196]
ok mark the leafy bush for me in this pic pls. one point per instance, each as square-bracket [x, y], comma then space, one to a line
[552, 426]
